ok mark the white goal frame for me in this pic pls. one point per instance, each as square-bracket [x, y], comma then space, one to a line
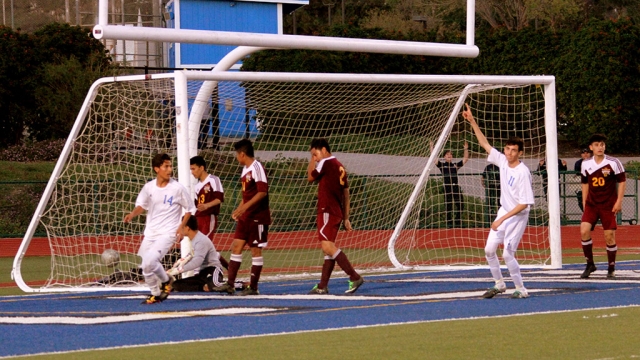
[185, 150]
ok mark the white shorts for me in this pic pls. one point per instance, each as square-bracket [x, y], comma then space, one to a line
[510, 232]
[155, 249]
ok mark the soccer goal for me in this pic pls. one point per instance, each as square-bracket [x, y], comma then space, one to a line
[388, 130]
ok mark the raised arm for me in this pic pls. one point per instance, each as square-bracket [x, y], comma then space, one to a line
[482, 140]
[465, 157]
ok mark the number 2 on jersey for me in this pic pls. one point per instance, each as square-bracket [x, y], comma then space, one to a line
[343, 175]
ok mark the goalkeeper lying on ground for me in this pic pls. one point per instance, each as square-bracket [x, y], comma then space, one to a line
[203, 258]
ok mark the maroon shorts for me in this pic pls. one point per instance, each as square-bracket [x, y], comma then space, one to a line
[208, 225]
[328, 226]
[607, 217]
[253, 233]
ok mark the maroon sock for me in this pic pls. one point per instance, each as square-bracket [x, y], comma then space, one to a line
[223, 262]
[344, 263]
[587, 249]
[612, 250]
[256, 269]
[234, 266]
[327, 269]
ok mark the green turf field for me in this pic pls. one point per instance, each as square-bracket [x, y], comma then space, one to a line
[594, 334]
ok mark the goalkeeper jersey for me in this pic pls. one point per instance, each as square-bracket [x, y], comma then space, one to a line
[204, 254]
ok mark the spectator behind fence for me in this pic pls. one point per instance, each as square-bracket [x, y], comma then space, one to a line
[452, 192]
[491, 185]
[542, 169]
[585, 154]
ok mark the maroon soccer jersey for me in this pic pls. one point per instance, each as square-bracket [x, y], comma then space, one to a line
[332, 180]
[253, 181]
[602, 179]
[207, 191]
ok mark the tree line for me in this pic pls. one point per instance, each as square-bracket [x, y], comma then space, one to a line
[591, 46]
[44, 78]
[595, 65]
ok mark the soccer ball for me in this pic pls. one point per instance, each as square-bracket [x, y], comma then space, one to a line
[110, 257]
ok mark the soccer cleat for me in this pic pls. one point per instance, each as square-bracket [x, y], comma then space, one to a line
[226, 287]
[167, 287]
[248, 291]
[611, 273]
[241, 285]
[152, 299]
[520, 294]
[493, 291]
[354, 285]
[588, 270]
[317, 291]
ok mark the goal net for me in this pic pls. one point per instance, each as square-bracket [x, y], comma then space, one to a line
[388, 131]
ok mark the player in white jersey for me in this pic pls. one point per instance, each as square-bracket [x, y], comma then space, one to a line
[163, 199]
[516, 196]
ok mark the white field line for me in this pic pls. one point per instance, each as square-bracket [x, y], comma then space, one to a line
[438, 296]
[608, 308]
[82, 320]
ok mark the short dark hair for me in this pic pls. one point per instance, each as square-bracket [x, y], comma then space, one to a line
[192, 223]
[198, 161]
[446, 152]
[516, 140]
[597, 138]
[159, 159]
[245, 146]
[320, 143]
[585, 150]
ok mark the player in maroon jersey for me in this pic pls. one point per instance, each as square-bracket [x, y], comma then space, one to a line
[333, 209]
[253, 218]
[603, 184]
[209, 196]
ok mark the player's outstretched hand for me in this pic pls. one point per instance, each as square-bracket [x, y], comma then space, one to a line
[127, 218]
[467, 114]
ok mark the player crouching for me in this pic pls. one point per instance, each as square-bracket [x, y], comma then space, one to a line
[203, 257]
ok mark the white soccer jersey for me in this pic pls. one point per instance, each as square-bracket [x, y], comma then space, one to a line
[164, 207]
[515, 183]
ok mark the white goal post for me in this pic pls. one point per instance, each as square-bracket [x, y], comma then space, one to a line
[379, 127]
